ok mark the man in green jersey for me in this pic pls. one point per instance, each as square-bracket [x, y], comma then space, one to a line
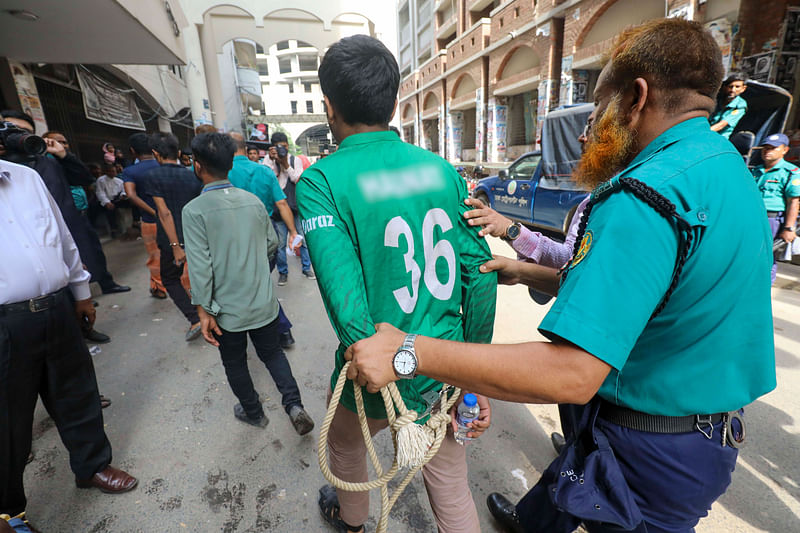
[385, 229]
[731, 107]
[663, 348]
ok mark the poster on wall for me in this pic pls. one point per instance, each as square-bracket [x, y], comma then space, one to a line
[759, 66]
[28, 95]
[442, 133]
[455, 129]
[721, 31]
[543, 103]
[580, 86]
[480, 123]
[500, 123]
[791, 31]
[565, 96]
[103, 102]
[786, 70]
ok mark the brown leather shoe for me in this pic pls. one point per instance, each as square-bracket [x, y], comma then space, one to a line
[111, 480]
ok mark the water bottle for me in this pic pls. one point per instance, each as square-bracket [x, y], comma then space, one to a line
[468, 411]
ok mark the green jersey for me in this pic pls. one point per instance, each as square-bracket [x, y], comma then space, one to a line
[384, 225]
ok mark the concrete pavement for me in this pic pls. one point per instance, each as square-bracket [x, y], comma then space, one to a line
[171, 424]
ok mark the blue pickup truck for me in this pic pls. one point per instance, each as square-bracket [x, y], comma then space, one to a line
[537, 189]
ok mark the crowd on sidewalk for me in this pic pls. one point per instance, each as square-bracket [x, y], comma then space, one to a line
[409, 284]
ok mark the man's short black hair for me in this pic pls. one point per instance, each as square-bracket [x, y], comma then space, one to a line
[251, 147]
[360, 77]
[140, 143]
[166, 144]
[19, 115]
[735, 76]
[186, 150]
[278, 137]
[214, 151]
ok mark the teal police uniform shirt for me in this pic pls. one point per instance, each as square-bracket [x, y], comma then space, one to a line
[256, 179]
[732, 113]
[711, 349]
[777, 184]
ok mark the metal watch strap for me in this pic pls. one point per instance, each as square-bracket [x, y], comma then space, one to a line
[408, 343]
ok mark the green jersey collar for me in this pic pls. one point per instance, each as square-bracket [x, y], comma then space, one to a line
[369, 137]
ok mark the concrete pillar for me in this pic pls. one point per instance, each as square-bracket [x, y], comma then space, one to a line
[211, 66]
[196, 77]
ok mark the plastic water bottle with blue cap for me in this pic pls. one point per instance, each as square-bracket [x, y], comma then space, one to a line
[468, 411]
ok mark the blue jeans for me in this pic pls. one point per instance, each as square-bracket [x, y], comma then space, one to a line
[775, 224]
[283, 232]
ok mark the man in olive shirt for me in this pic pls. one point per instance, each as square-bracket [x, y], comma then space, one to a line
[228, 239]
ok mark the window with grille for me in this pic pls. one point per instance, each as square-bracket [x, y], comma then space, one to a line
[309, 106]
[294, 108]
[516, 120]
[308, 63]
[307, 87]
[468, 133]
[291, 88]
[284, 65]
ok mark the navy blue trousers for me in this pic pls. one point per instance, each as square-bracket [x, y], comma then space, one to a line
[674, 478]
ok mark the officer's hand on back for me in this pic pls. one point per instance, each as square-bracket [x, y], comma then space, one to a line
[492, 222]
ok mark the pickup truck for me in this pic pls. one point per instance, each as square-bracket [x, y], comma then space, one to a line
[537, 189]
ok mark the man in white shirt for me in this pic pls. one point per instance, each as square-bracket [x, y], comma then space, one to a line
[44, 296]
[287, 169]
[110, 192]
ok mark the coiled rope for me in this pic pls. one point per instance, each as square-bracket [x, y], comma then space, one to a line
[415, 444]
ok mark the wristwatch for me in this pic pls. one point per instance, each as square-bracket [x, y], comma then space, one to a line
[787, 228]
[405, 359]
[513, 231]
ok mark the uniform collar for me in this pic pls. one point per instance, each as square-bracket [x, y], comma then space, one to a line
[736, 102]
[368, 137]
[679, 131]
[240, 157]
[783, 164]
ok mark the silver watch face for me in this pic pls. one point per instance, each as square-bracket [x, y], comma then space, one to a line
[405, 363]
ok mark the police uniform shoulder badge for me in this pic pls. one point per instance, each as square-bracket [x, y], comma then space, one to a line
[735, 112]
[583, 249]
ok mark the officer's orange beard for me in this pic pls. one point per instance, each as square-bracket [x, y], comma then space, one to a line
[609, 148]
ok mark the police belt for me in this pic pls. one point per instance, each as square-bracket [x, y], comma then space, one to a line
[34, 305]
[773, 214]
[632, 419]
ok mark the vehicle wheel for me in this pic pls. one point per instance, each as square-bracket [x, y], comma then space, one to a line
[483, 198]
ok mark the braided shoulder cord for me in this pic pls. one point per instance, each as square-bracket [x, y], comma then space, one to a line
[666, 209]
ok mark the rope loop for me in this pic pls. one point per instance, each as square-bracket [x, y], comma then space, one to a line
[415, 445]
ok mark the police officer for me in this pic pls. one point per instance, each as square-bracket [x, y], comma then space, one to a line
[662, 348]
[731, 107]
[779, 183]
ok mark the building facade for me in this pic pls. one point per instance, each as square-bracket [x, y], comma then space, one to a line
[479, 75]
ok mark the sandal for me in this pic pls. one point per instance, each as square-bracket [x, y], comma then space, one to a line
[104, 402]
[329, 507]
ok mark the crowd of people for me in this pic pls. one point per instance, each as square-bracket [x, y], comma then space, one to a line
[400, 258]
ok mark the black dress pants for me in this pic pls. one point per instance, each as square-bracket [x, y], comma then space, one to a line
[266, 340]
[43, 354]
[171, 278]
[91, 252]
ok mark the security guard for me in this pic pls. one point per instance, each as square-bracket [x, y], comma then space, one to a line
[727, 116]
[779, 183]
[662, 327]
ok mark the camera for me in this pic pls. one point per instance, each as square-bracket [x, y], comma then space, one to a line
[19, 144]
[282, 151]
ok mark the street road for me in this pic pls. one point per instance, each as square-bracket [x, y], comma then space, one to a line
[171, 424]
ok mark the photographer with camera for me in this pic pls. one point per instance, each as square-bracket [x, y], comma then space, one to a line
[58, 173]
[288, 169]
